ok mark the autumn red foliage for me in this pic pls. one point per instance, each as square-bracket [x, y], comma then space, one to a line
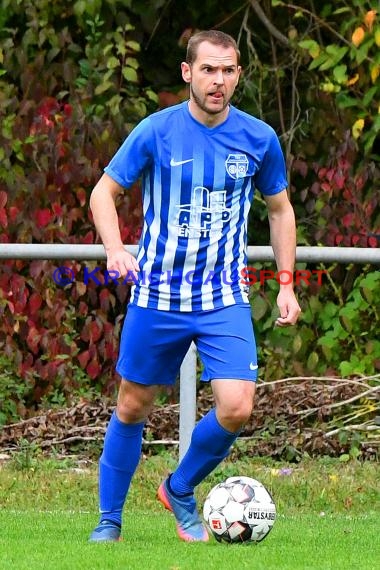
[59, 337]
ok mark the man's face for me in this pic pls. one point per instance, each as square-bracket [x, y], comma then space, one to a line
[212, 77]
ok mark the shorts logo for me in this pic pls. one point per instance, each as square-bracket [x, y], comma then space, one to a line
[237, 165]
[253, 366]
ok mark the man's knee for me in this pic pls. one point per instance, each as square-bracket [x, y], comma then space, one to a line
[135, 401]
[234, 402]
[235, 413]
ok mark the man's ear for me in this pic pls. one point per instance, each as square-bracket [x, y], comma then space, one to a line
[186, 72]
[239, 73]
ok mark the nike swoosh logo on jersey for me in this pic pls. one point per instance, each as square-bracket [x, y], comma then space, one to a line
[179, 162]
[253, 366]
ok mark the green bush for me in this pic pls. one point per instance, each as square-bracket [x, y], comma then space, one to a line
[337, 333]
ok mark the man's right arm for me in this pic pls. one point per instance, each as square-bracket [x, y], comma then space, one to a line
[102, 204]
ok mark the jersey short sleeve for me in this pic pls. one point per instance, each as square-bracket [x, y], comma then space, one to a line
[133, 156]
[271, 176]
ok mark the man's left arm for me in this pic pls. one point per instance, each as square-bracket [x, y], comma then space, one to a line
[283, 240]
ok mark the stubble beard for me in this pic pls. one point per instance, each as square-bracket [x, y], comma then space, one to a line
[203, 106]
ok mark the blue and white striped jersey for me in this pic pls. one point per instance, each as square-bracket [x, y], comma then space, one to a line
[198, 184]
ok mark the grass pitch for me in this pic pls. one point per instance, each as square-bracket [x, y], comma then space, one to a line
[328, 515]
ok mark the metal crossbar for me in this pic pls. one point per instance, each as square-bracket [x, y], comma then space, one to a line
[188, 378]
[255, 253]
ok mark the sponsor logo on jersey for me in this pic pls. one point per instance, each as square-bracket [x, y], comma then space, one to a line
[206, 213]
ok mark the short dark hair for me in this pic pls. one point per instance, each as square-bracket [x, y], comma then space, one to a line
[215, 37]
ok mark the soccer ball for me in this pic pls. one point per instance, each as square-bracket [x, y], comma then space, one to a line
[239, 510]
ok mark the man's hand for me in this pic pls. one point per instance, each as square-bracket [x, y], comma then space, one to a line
[118, 259]
[102, 204]
[289, 308]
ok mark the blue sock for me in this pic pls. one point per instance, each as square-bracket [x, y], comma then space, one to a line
[210, 444]
[117, 465]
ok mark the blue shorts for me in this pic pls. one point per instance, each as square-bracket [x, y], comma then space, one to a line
[153, 344]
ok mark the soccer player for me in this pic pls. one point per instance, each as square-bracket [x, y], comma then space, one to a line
[200, 162]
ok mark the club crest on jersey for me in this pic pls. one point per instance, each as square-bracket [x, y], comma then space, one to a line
[237, 165]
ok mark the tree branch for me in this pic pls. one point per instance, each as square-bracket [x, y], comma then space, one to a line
[268, 24]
